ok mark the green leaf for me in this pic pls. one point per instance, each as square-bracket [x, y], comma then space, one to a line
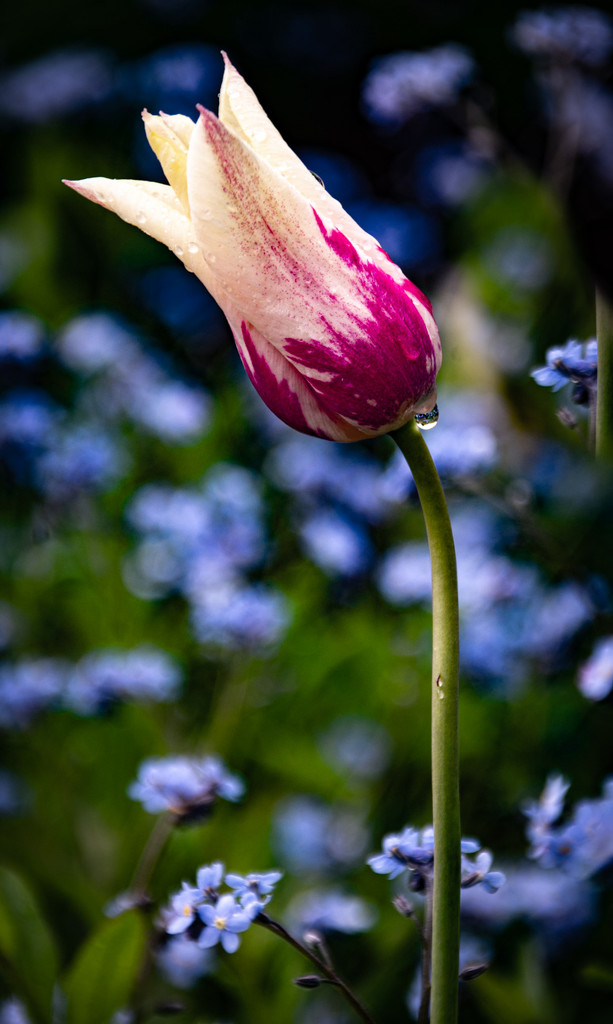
[103, 975]
[27, 949]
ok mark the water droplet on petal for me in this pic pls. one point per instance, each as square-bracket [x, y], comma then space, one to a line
[211, 257]
[141, 218]
[427, 420]
[178, 251]
[259, 135]
[193, 248]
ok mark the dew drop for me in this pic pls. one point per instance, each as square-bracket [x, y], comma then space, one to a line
[427, 420]
[259, 135]
[178, 251]
[193, 248]
[211, 257]
[141, 218]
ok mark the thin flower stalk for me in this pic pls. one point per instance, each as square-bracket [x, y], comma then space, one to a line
[445, 692]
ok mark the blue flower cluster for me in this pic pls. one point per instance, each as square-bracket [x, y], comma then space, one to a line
[401, 84]
[205, 916]
[101, 678]
[66, 81]
[139, 385]
[186, 787]
[555, 910]
[563, 34]
[201, 542]
[412, 850]
[583, 845]
[62, 454]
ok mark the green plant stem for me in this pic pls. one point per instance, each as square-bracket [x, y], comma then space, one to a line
[604, 401]
[426, 960]
[445, 687]
[324, 966]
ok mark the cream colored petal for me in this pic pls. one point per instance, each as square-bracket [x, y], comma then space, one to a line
[154, 209]
[169, 139]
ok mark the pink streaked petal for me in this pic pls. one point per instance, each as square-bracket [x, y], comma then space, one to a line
[241, 112]
[367, 347]
[261, 236]
[284, 391]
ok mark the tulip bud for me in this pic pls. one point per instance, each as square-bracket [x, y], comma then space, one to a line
[336, 340]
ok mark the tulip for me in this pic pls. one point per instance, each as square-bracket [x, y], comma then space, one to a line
[335, 339]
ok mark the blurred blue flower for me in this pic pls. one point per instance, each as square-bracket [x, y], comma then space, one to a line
[450, 173]
[142, 673]
[561, 34]
[223, 923]
[27, 419]
[129, 380]
[596, 674]
[405, 576]
[254, 890]
[310, 836]
[176, 412]
[356, 746]
[235, 616]
[338, 545]
[545, 899]
[572, 363]
[331, 910]
[340, 474]
[582, 846]
[22, 336]
[197, 540]
[81, 458]
[13, 1011]
[182, 962]
[58, 83]
[187, 787]
[28, 687]
[96, 341]
[401, 84]
[542, 813]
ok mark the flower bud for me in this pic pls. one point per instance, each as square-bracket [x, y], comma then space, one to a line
[333, 336]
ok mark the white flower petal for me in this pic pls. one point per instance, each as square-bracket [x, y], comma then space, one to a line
[155, 209]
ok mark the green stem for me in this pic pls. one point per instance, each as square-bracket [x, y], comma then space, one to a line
[445, 687]
[604, 401]
[325, 967]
